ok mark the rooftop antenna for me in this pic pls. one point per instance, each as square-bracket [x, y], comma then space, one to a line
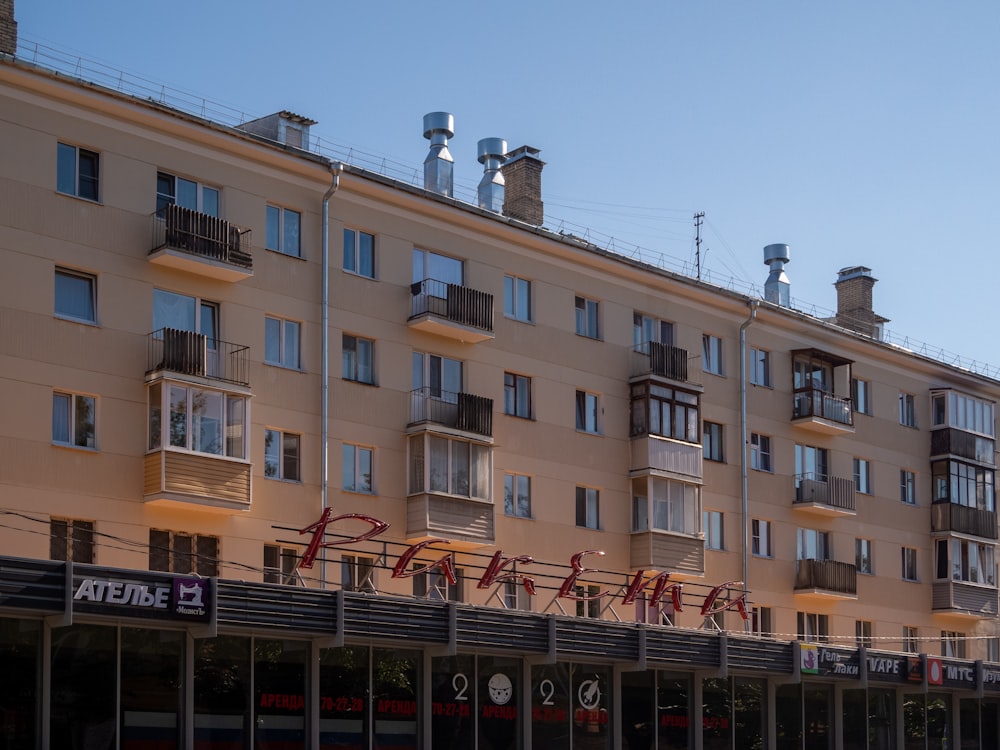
[697, 241]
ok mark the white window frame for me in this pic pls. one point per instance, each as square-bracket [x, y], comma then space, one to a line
[233, 420]
[648, 329]
[861, 396]
[665, 505]
[77, 184]
[288, 331]
[907, 409]
[278, 452]
[761, 538]
[200, 192]
[760, 367]
[863, 482]
[517, 299]
[357, 573]
[864, 560]
[284, 571]
[353, 461]
[359, 251]
[357, 359]
[863, 630]
[588, 508]
[713, 442]
[517, 487]
[760, 453]
[477, 471]
[67, 405]
[953, 644]
[72, 275]
[812, 544]
[712, 355]
[907, 487]
[587, 410]
[288, 240]
[908, 568]
[911, 639]
[588, 317]
[713, 524]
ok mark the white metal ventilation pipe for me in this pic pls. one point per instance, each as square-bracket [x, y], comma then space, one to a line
[744, 484]
[335, 169]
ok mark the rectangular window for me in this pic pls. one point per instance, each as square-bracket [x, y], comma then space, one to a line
[517, 298]
[712, 441]
[590, 603]
[909, 561]
[810, 464]
[863, 476]
[863, 556]
[280, 564]
[454, 467]
[814, 545]
[430, 266]
[861, 395]
[358, 359]
[760, 452]
[171, 191]
[517, 495]
[358, 574]
[586, 318]
[760, 538]
[714, 529]
[760, 367]
[282, 454]
[711, 354]
[359, 253]
[970, 562]
[74, 419]
[77, 172]
[588, 502]
[282, 342]
[993, 650]
[71, 540]
[434, 584]
[863, 633]
[178, 552]
[964, 484]
[197, 419]
[907, 487]
[358, 471]
[953, 409]
[911, 641]
[762, 621]
[76, 295]
[952, 644]
[283, 228]
[647, 330]
[516, 395]
[813, 627]
[586, 412]
[666, 505]
[907, 410]
[655, 409]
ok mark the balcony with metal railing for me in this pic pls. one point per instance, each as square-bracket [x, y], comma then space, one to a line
[823, 412]
[171, 350]
[464, 412]
[451, 310]
[826, 579]
[659, 360]
[824, 496]
[963, 519]
[200, 243]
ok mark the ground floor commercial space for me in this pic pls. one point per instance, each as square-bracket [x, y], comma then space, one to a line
[106, 658]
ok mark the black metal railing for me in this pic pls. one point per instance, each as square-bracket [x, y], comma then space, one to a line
[463, 411]
[836, 492]
[664, 360]
[456, 303]
[191, 353]
[964, 520]
[202, 235]
[950, 441]
[812, 402]
[827, 575]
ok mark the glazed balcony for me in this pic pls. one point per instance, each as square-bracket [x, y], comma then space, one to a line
[659, 360]
[822, 412]
[464, 412]
[681, 554]
[202, 244]
[660, 454]
[188, 479]
[451, 310]
[964, 520]
[826, 579]
[952, 442]
[971, 600]
[464, 522]
[170, 350]
[830, 496]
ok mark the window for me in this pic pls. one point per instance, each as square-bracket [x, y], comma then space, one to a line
[280, 565]
[177, 552]
[760, 452]
[911, 641]
[714, 529]
[907, 410]
[861, 395]
[953, 644]
[436, 377]
[993, 650]
[357, 574]
[516, 395]
[357, 463]
[665, 505]
[907, 487]
[909, 558]
[171, 190]
[591, 605]
[586, 411]
[282, 234]
[73, 420]
[586, 318]
[281, 342]
[762, 621]
[712, 441]
[667, 412]
[282, 455]
[358, 359]
[863, 556]
[517, 298]
[951, 409]
[711, 354]
[863, 476]
[71, 540]
[761, 538]
[970, 562]
[514, 595]
[646, 330]
[359, 253]
[198, 419]
[588, 506]
[863, 633]
[760, 367]
[434, 584]
[76, 295]
[184, 313]
[429, 266]
[449, 466]
[517, 495]
[814, 545]
[77, 172]
[963, 484]
[813, 627]
[810, 463]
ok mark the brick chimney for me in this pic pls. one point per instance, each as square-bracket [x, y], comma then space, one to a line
[522, 174]
[8, 28]
[854, 302]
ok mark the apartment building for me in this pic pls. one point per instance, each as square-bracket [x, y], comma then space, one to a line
[296, 454]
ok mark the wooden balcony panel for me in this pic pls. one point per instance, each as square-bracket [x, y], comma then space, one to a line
[196, 480]
[673, 457]
[826, 579]
[963, 599]
[831, 497]
[198, 243]
[964, 520]
[667, 551]
[466, 523]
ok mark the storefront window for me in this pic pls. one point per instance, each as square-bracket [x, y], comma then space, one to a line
[20, 642]
[854, 721]
[882, 718]
[968, 717]
[591, 699]
[674, 713]
[152, 688]
[84, 677]
[453, 702]
[222, 711]
[638, 715]
[550, 706]
[816, 707]
[788, 715]
[279, 693]
[343, 703]
[990, 722]
[395, 679]
[716, 718]
[914, 722]
[499, 722]
[940, 721]
[750, 713]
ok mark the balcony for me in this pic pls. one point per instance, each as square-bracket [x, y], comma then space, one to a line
[660, 360]
[822, 412]
[170, 350]
[964, 520]
[465, 522]
[464, 412]
[826, 579]
[202, 244]
[964, 600]
[961, 444]
[667, 456]
[676, 553]
[833, 496]
[451, 310]
[185, 479]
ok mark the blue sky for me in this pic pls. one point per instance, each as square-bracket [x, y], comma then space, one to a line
[859, 133]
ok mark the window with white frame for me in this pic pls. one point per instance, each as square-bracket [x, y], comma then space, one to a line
[760, 367]
[907, 410]
[665, 505]
[647, 329]
[76, 295]
[761, 542]
[514, 594]
[911, 640]
[863, 476]
[762, 621]
[177, 191]
[863, 556]
[966, 561]
[185, 313]
[449, 466]
[359, 253]
[587, 407]
[436, 377]
[517, 495]
[813, 627]
[282, 455]
[433, 267]
[197, 419]
[280, 564]
[951, 409]
[711, 354]
[813, 545]
[712, 442]
[180, 552]
[588, 508]
[861, 395]
[71, 540]
[282, 342]
[434, 583]
[760, 452]
[74, 420]
[357, 573]
[587, 317]
[810, 463]
[993, 650]
[712, 523]
[953, 644]
[283, 231]
[77, 172]
[909, 563]
[589, 603]
[517, 298]
[357, 359]
[517, 395]
[357, 470]
[907, 487]
[863, 633]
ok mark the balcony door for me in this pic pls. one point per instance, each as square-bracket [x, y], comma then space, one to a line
[184, 313]
[437, 381]
[646, 329]
[810, 464]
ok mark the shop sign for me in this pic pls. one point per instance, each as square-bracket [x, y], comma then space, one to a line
[728, 595]
[182, 598]
[828, 662]
[957, 675]
[885, 668]
[991, 678]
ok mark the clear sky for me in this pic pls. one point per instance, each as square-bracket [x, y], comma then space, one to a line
[857, 132]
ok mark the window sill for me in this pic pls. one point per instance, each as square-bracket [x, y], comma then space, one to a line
[716, 374]
[358, 492]
[518, 416]
[585, 336]
[282, 479]
[588, 432]
[360, 382]
[284, 254]
[527, 322]
[522, 518]
[70, 446]
[81, 321]
[217, 456]
[359, 275]
[284, 367]
[91, 201]
[762, 471]
[767, 386]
